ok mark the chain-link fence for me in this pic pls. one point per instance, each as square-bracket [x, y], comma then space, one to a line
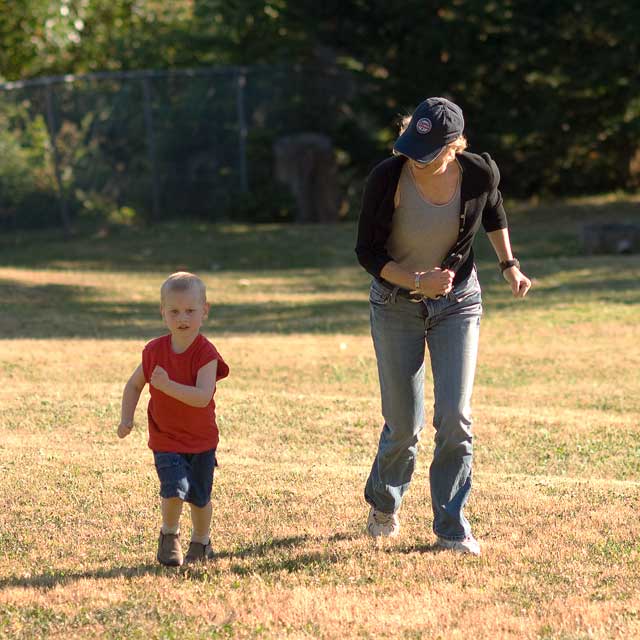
[157, 144]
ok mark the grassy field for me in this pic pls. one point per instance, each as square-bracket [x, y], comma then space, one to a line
[557, 432]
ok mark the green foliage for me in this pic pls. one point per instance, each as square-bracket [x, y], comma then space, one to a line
[21, 31]
[26, 177]
[267, 199]
[548, 88]
[45, 38]
[268, 204]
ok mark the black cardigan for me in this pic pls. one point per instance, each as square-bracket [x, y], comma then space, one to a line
[481, 203]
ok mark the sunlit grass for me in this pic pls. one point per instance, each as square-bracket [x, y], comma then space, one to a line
[557, 425]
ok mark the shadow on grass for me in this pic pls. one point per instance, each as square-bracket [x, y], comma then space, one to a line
[418, 548]
[65, 311]
[540, 231]
[604, 290]
[261, 548]
[169, 247]
[51, 579]
[293, 563]
[316, 561]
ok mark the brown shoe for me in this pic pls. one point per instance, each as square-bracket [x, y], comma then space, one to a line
[169, 550]
[198, 552]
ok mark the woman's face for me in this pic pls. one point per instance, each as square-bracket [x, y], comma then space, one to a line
[437, 166]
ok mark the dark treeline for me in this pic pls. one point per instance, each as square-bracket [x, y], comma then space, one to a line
[550, 88]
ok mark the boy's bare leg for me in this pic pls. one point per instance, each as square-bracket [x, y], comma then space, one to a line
[201, 521]
[171, 509]
[169, 550]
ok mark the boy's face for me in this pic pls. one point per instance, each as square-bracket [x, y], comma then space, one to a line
[183, 312]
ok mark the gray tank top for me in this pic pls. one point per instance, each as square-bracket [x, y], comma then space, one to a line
[422, 232]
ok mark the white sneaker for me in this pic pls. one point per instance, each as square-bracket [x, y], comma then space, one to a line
[381, 524]
[468, 545]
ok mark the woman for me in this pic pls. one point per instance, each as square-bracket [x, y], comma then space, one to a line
[421, 210]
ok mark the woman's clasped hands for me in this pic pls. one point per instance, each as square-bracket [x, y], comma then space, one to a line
[434, 283]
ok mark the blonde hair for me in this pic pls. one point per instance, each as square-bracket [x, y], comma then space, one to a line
[404, 123]
[183, 281]
[458, 145]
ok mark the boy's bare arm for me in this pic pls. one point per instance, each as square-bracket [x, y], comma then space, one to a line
[198, 396]
[130, 397]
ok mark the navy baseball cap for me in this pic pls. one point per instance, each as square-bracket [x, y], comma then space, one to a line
[434, 124]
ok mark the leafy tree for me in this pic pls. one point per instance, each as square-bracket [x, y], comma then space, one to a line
[549, 88]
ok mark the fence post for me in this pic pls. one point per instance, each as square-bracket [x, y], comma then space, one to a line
[51, 121]
[242, 131]
[151, 147]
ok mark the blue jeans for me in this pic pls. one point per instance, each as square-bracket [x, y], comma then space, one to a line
[188, 476]
[450, 325]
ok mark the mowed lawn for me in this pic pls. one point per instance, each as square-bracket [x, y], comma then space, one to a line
[556, 500]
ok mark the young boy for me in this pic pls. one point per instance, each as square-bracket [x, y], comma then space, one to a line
[182, 369]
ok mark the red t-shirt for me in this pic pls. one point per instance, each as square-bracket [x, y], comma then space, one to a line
[173, 425]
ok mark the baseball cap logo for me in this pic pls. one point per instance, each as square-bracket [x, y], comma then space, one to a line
[423, 125]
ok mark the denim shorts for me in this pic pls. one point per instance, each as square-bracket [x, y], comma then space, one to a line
[188, 476]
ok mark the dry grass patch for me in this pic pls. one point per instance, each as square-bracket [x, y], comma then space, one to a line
[556, 492]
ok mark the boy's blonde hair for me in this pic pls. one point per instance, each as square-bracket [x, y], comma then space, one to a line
[458, 145]
[183, 281]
